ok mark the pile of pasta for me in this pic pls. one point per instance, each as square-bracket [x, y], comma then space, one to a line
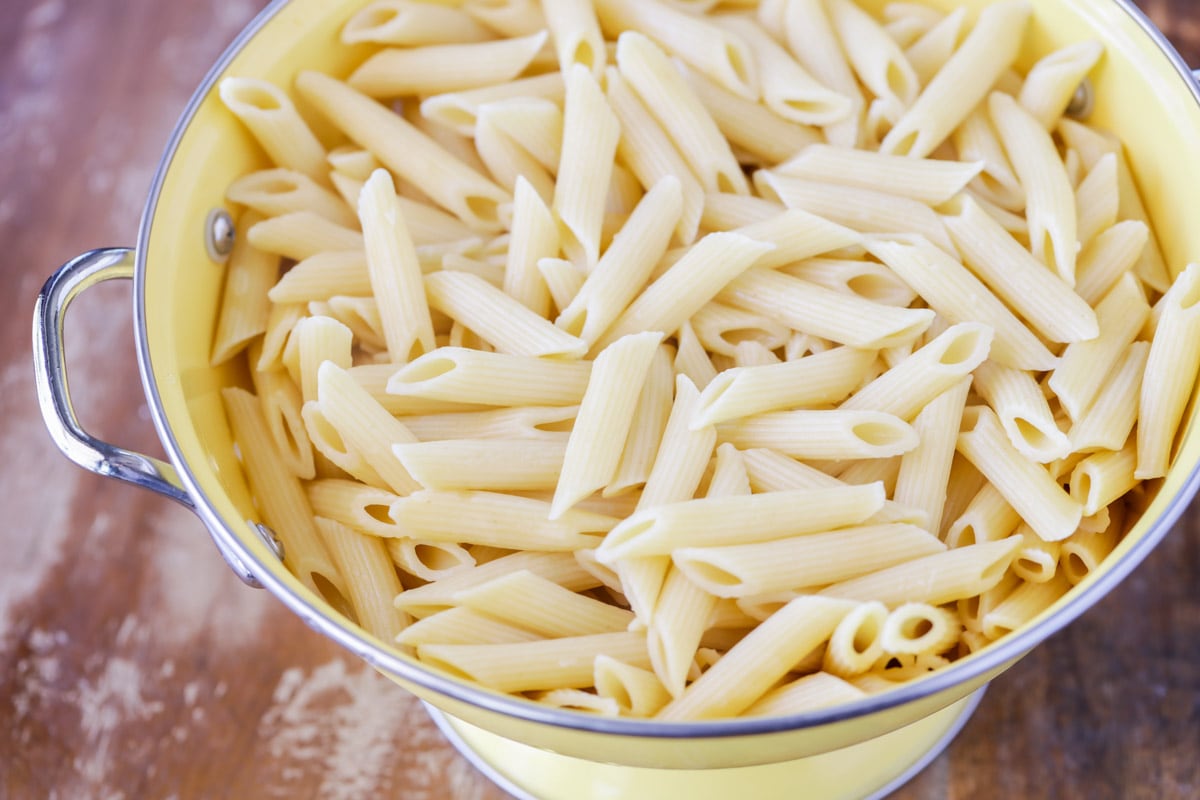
[689, 359]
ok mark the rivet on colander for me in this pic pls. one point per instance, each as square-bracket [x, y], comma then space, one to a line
[1082, 101]
[269, 538]
[219, 233]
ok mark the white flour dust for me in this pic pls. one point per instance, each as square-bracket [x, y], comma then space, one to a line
[196, 593]
[351, 727]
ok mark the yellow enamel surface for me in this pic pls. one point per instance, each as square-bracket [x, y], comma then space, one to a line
[851, 772]
[1140, 96]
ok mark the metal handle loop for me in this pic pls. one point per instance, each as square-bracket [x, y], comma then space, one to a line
[54, 397]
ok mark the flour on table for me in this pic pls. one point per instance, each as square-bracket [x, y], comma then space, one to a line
[197, 594]
[357, 730]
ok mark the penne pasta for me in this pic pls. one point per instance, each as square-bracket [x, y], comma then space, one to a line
[1009, 270]
[687, 285]
[498, 379]
[812, 559]
[958, 296]
[271, 117]
[962, 82]
[822, 312]
[832, 434]
[406, 151]
[716, 522]
[499, 319]
[605, 416]
[745, 391]
[590, 134]
[926, 180]
[668, 97]
[441, 68]
[1027, 487]
[1170, 374]
[721, 54]
[1049, 199]
[936, 579]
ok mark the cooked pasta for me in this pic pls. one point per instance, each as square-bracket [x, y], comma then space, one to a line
[680, 360]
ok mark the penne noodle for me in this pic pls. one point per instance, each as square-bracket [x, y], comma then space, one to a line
[462, 625]
[1107, 423]
[1078, 379]
[787, 88]
[499, 379]
[866, 279]
[650, 418]
[854, 646]
[534, 603]
[713, 49]
[576, 35]
[394, 270]
[716, 522]
[860, 209]
[958, 296]
[432, 598]
[821, 378]
[962, 82]
[637, 692]
[301, 234]
[441, 68]
[813, 559]
[363, 426]
[1049, 198]
[668, 97]
[1023, 412]
[936, 579]
[722, 329]
[371, 582]
[919, 629]
[499, 319]
[494, 465]
[1009, 270]
[605, 417]
[834, 434]
[406, 151]
[529, 666]
[926, 180]
[649, 153]
[497, 520]
[273, 192]
[460, 110]
[813, 309]
[1110, 255]
[1170, 374]
[411, 22]
[245, 306]
[1150, 267]
[759, 660]
[284, 506]
[925, 471]
[687, 285]
[1026, 602]
[627, 263]
[271, 117]
[590, 134]
[1028, 487]
[931, 370]
[877, 59]
[1053, 80]
[751, 126]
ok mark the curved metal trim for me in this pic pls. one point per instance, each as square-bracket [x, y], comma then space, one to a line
[944, 680]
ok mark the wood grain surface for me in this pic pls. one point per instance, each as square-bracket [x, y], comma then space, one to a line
[133, 664]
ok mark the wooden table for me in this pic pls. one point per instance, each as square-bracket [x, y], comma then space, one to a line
[134, 665]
